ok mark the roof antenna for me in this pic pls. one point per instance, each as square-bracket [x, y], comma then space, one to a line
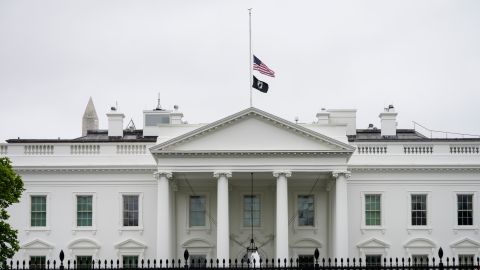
[159, 107]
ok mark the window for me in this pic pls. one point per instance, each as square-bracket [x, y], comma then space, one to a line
[464, 209]
[198, 261]
[84, 262]
[197, 210]
[251, 211]
[373, 261]
[373, 210]
[419, 209]
[466, 259]
[130, 210]
[38, 211]
[130, 261]
[306, 261]
[84, 210]
[420, 260]
[306, 211]
[37, 262]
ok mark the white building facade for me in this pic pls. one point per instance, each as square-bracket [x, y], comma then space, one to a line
[152, 193]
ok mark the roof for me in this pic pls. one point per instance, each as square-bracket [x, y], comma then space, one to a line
[403, 135]
[96, 136]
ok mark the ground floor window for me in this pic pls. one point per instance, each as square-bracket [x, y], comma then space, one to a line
[84, 262]
[199, 261]
[130, 261]
[306, 261]
[37, 262]
[373, 260]
[466, 259]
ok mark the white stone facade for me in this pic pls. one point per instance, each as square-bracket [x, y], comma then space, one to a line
[172, 164]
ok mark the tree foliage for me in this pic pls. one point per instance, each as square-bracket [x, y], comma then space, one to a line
[11, 188]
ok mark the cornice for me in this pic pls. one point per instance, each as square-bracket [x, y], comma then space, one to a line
[414, 168]
[267, 153]
[92, 169]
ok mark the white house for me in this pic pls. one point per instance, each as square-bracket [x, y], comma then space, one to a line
[154, 192]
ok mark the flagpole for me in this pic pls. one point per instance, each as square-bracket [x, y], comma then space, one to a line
[250, 48]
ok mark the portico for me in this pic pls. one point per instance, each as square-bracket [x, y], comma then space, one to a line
[209, 169]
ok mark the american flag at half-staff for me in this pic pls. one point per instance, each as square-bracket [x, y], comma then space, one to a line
[262, 68]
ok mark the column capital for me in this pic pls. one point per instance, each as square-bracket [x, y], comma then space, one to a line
[218, 174]
[158, 174]
[285, 172]
[337, 174]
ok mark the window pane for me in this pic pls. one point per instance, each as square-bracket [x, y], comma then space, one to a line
[38, 215]
[306, 211]
[198, 261]
[84, 262]
[465, 209]
[37, 262]
[466, 259]
[419, 259]
[372, 210]
[305, 261]
[197, 210]
[84, 210]
[130, 261]
[419, 209]
[373, 260]
[130, 210]
[251, 211]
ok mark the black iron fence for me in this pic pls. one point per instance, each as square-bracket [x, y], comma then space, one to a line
[308, 263]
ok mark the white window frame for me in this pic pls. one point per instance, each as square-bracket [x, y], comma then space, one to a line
[475, 222]
[32, 249]
[92, 228]
[140, 212]
[45, 228]
[242, 210]
[315, 211]
[411, 227]
[381, 227]
[207, 212]
[81, 250]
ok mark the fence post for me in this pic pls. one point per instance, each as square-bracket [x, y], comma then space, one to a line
[62, 256]
[185, 256]
[440, 255]
[316, 254]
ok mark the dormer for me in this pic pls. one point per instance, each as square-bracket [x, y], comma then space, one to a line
[158, 117]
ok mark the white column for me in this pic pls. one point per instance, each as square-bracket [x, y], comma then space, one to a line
[223, 225]
[281, 233]
[164, 230]
[341, 214]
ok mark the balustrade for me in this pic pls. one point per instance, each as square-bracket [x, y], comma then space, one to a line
[39, 149]
[85, 149]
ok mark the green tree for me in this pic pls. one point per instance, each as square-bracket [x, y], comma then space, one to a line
[11, 188]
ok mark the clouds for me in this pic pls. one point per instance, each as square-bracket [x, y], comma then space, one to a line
[422, 56]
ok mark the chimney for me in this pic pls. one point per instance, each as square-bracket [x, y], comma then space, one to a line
[115, 123]
[176, 116]
[323, 117]
[388, 119]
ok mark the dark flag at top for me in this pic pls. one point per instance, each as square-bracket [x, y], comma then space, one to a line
[259, 85]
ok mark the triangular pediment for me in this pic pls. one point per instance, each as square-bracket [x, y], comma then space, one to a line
[130, 243]
[37, 244]
[252, 130]
[373, 243]
[465, 243]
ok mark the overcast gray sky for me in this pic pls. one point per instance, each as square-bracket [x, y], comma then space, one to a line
[421, 56]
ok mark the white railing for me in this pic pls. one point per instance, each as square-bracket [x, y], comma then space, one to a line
[464, 149]
[372, 150]
[129, 149]
[85, 149]
[3, 149]
[418, 149]
[39, 149]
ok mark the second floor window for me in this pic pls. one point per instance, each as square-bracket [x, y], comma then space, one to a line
[130, 210]
[373, 210]
[306, 211]
[251, 211]
[465, 209]
[38, 211]
[419, 209]
[197, 211]
[84, 210]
